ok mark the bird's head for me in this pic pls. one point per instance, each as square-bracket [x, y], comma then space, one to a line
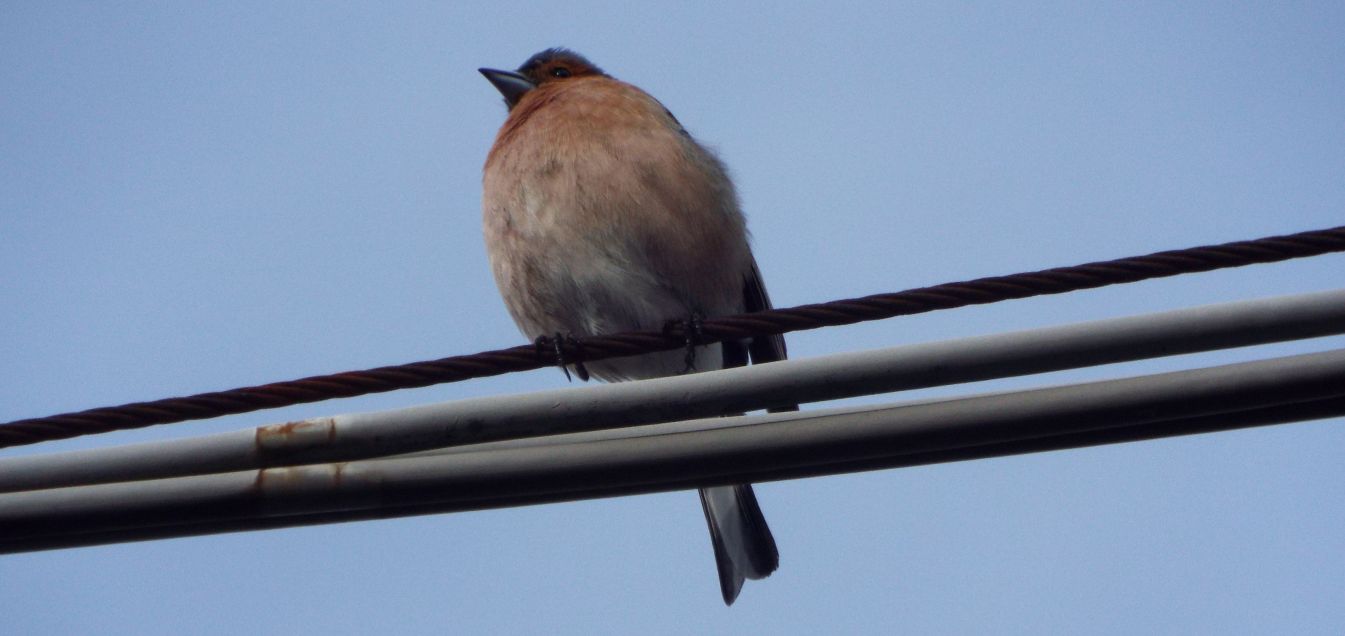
[549, 66]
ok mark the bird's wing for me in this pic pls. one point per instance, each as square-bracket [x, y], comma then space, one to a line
[763, 348]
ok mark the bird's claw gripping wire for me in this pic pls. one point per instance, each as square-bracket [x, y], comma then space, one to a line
[692, 331]
[555, 347]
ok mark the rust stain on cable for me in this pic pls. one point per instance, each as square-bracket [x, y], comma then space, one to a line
[277, 440]
[290, 478]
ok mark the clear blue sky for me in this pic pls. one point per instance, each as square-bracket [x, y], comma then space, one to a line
[195, 197]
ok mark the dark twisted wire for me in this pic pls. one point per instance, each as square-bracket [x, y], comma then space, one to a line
[526, 357]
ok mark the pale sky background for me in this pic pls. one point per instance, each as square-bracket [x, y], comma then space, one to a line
[197, 196]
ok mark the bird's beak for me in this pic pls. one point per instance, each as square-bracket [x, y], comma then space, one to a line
[510, 84]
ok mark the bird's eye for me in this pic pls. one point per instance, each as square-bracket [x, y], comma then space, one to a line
[560, 72]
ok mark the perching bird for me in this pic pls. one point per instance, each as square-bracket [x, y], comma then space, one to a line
[603, 215]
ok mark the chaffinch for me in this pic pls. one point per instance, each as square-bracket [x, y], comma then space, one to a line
[602, 214]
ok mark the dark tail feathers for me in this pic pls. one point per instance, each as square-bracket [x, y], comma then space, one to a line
[744, 547]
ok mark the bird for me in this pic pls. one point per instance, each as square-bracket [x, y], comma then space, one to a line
[602, 214]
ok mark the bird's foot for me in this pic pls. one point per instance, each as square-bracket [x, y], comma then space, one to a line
[555, 348]
[693, 333]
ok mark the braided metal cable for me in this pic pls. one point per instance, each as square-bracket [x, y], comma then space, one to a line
[526, 357]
